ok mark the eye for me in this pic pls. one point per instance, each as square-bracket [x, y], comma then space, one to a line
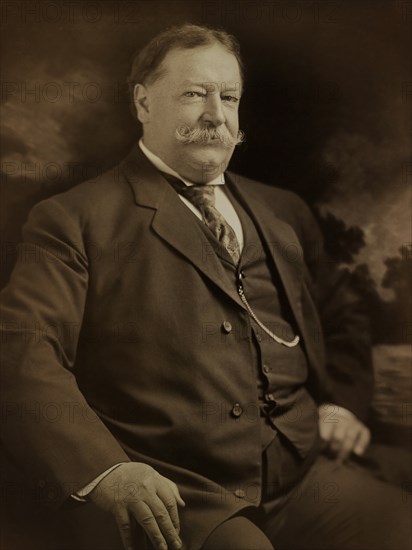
[194, 94]
[230, 98]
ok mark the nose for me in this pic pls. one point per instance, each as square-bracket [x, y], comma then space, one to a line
[213, 111]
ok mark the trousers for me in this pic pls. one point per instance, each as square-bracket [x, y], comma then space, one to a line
[335, 507]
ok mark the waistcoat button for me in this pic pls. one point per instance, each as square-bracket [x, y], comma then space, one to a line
[227, 327]
[270, 397]
[237, 410]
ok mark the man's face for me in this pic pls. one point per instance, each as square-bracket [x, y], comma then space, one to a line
[199, 90]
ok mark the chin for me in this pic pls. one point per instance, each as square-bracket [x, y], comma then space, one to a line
[211, 159]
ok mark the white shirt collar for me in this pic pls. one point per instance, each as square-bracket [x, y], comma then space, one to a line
[163, 167]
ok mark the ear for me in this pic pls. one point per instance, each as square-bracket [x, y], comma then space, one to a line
[141, 102]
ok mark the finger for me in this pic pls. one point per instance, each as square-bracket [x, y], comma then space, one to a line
[338, 437]
[348, 444]
[164, 492]
[176, 493]
[125, 529]
[164, 521]
[363, 441]
[144, 516]
[326, 429]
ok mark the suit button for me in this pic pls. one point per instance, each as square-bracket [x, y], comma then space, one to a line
[240, 493]
[237, 410]
[227, 327]
[266, 369]
[270, 397]
[258, 337]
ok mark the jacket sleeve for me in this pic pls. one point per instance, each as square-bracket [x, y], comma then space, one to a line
[48, 427]
[345, 323]
[348, 345]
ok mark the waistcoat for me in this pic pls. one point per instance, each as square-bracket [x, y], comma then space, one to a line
[281, 372]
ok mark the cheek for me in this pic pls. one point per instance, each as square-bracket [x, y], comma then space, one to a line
[232, 120]
[164, 111]
[172, 118]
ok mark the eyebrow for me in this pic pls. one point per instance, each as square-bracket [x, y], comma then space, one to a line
[224, 87]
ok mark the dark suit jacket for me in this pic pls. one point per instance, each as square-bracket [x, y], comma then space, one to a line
[115, 307]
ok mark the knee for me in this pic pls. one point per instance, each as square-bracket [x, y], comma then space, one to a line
[237, 533]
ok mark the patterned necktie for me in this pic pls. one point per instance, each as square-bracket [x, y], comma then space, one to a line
[203, 197]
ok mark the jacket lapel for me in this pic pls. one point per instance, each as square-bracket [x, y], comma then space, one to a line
[287, 254]
[172, 221]
[177, 226]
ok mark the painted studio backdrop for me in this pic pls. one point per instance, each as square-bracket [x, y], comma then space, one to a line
[326, 112]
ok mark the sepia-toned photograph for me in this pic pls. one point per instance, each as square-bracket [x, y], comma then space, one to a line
[205, 273]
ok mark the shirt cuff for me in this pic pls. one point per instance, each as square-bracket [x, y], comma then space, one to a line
[84, 491]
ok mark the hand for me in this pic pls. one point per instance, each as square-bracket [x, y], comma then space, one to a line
[342, 431]
[136, 491]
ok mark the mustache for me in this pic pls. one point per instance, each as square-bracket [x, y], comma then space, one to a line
[208, 135]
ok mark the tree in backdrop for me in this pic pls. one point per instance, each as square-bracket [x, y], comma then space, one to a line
[391, 320]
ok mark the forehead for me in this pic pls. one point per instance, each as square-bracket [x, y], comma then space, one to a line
[205, 64]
